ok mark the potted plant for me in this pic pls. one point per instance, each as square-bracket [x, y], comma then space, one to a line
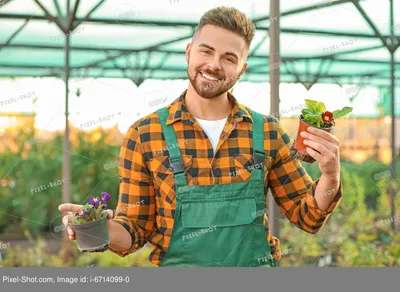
[314, 115]
[90, 225]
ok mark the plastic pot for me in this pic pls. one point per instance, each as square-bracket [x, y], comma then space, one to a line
[92, 236]
[299, 148]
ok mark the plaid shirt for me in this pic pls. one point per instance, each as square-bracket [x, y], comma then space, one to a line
[147, 202]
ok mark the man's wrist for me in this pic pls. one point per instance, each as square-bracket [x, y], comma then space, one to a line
[332, 179]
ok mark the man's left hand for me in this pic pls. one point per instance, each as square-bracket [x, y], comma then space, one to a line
[324, 148]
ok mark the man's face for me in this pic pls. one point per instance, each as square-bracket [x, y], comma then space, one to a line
[216, 59]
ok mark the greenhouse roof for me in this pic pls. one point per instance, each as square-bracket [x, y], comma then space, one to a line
[343, 41]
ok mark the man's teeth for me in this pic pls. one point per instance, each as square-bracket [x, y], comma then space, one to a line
[209, 77]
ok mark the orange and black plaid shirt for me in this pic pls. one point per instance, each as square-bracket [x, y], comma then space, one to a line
[147, 191]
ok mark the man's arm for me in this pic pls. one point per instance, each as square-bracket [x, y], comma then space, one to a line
[328, 158]
[306, 203]
[135, 212]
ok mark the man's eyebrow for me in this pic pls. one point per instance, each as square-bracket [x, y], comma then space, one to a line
[212, 49]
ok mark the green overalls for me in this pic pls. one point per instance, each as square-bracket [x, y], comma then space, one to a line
[218, 225]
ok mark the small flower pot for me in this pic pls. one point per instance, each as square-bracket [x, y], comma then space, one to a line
[92, 236]
[299, 148]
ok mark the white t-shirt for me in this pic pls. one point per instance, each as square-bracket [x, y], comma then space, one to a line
[213, 129]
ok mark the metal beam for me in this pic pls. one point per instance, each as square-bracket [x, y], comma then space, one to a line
[178, 52]
[303, 9]
[49, 16]
[58, 8]
[7, 43]
[369, 21]
[79, 21]
[192, 25]
[4, 2]
[71, 16]
[136, 50]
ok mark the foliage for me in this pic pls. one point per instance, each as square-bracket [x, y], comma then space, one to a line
[315, 113]
[32, 178]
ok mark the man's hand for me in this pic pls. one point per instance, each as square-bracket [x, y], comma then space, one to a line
[67, 207]
[324, 148]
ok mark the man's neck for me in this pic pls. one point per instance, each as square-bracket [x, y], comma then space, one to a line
[216, 108]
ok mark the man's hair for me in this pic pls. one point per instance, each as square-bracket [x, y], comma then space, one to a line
[231, 19]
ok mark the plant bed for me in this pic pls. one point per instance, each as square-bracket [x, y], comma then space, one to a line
[314, 115]
[90, 225]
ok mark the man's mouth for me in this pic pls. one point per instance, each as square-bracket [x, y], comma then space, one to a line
[209, 77]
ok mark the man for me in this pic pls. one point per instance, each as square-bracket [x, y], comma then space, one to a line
[194, 175]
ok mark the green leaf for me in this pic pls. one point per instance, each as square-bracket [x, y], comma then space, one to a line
[335, 113]
[311, 105]
[320, 107]
[311, 118]
[341, 113]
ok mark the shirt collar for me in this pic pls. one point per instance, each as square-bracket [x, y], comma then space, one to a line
[178, 111]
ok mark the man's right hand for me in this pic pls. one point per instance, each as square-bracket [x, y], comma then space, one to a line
[68, 207]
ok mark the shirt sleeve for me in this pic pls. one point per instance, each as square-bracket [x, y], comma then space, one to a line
[293, 189]
[136, 203]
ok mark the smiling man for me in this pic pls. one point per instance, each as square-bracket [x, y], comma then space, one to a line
[201, 167]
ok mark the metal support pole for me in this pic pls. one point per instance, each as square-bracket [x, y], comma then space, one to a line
[392, 50]
[274, 71]
[66, 190]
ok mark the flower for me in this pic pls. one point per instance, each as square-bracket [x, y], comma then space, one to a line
[327, 117]
[105, 196]
[81, 214]
[94, 201]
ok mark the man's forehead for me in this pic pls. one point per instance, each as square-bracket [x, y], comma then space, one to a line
[219, 38]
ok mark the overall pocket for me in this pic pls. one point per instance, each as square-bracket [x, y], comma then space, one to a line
[220, 232]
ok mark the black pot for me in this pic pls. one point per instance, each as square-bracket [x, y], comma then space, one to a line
[92, 236]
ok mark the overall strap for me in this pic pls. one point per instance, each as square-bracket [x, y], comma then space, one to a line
[173, 148]
[258, 141]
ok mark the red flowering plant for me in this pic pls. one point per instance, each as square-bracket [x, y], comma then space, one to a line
[315, 115]
[93, 210]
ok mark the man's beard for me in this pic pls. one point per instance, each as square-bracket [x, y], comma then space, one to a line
[210, 89]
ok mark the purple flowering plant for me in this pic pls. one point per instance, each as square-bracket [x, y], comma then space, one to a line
[93, 210]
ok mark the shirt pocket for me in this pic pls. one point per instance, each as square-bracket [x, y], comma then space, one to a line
[244, 165]
[163, 180]
[163, 176]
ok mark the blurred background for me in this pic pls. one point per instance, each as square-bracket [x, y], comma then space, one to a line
[75, 75]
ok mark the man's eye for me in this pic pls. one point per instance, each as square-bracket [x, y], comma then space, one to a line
[230, 60]
[205, 51]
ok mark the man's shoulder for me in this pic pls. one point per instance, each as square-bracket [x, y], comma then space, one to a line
[145, 122]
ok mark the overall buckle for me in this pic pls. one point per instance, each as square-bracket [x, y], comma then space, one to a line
[177, 165]
[258, 157]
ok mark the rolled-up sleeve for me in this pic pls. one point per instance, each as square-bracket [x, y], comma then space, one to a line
[294, 190]
[136, 204]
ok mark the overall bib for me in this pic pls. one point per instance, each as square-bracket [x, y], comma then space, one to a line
[218, 225]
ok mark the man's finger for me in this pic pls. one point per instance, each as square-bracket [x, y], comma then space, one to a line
[65, 220]
[70, 231]
[329, 145]
[323, 134]
[314, 154]
[317, 146]
[68, 207]
[109, 214]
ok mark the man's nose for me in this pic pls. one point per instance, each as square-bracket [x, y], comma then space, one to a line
[214, 64]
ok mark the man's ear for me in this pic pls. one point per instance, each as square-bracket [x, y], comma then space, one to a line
[243, 70]
[188, 49]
